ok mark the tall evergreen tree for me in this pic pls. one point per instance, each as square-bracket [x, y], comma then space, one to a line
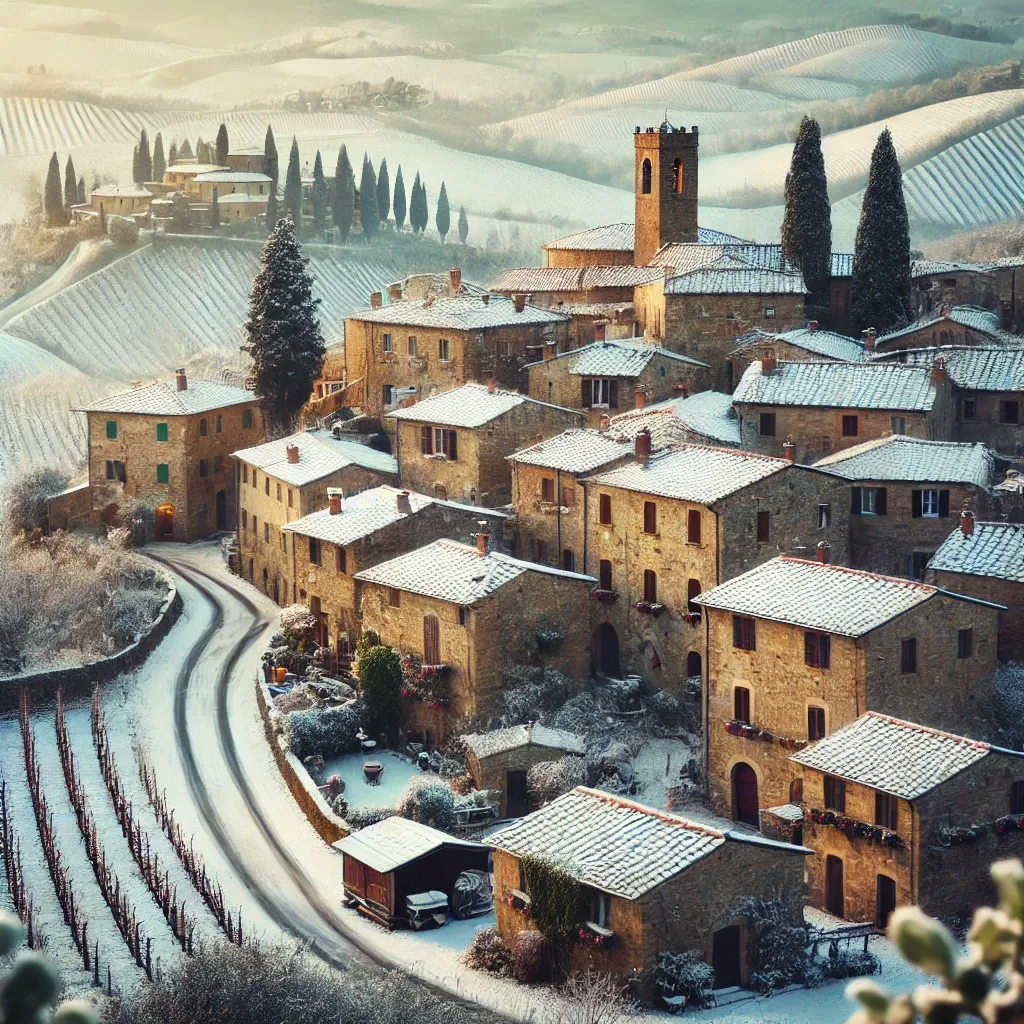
[319, 196]
[81, 189]
[293, 187]
[53, 197]
[443, 217]
[424, 208]
[343, 197]
[880, 291]
[159, 161]
[214, 210]
[807, 224]
[400, 205]
[185, 152]
[204, 153]
[463, 225]
[272, 212]
[270, 167]
[369, 212]
[70, 184]
[384, 192]
[200, 146]
[282, 331]
[136, 173]
[145, 160]
[417, 204]
[172, 154]
[222, 145]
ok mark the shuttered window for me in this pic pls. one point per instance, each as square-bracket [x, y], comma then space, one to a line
[342, 560]
[815, 723]
[692, 591]
[650, 585]
[908, 655]
[161, 432]
[817, 650]
[964, 643]
[849, 426]
[111, 429]
[835, 794]
[605, 509]
[741, 704]
[764, 520]
[650, 517]
[426, 440]
[693, 526]
[163, 473]
[431, 641]
[604, 573]
[887, 811]
[744, 634]
[547, 488]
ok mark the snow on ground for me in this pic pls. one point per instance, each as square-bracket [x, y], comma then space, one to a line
[398, 770]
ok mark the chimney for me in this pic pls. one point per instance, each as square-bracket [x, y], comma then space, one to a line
[490, 384]
[519, 302]
[485, 298]
[455, 280]
[549, 350]
[641, 398]
[334, 500]
[605, 422]
[482, 539]
[967, 522]
[643, 447]
[946, 310]
[375, 300]
[181, 379]
[394, 293]
[869, 339]
[293, 453]
[600, 330]
[789, 451]
[823, 551]
[403, 504]
[812, 326]
[768, 363]
[681, 389]
[939, 373]
[670, 272]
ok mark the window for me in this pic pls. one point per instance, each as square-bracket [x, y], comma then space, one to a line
[605, 509]
[253, 524]
[218, 464]
[908, 654]
[314, 551]
[284, 541]
[817, 650]
[266, 485]
[835, 794]
[426, 440]
[601, 906]
[744, 634]
[868, 501]
[849, 426]
[887, 811]
[969, 409]
[278, 492]
[693, 526]
[220, 424]
[463, 616]
[824, 516]
[741, 704]
[766, 424]
[763, 527]
[163, 473]
[898, 424]
[547, 488]
[650, 586]
[444, 350]
[266, 532]
[645, 178]
[815, 723]
[650, 517]
[245, 520]
[1017, 797]
[204, 467]
[677, 175]
[569, 560]
[796, 791]
[446, 443]
[601, 393]
[247, 419]
[394, 598]
[1009, 412]
[203, 429]
[290, 497]
[115, 471]
[567, 495]
[769, 312]
[604, 574]
[929, 503]
[387, 344]
[161, 432]
[387, 394]
[692, 591]
[111, 430]
[964, 643]
[412, 344]
[245, 473]
[431, 640]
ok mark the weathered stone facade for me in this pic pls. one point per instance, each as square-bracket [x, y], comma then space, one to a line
[982, 416]
[1007, 593]
[556, 257]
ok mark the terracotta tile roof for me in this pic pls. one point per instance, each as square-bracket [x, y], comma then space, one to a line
[897, 757]
[458, 313]
[731, 275]
[468, 406]
[929, 268]
[225, 174]
[709, 414]
[994, 549]
[163, 398]
[909, 458]
[320, 455]
[973, 367]
[487, 744]
[574, 451]
[616, 358]
[818, 342]
[684, 256]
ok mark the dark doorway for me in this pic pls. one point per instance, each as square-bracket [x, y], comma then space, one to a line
[165, 521]
[607, 660]
[886, 901]
[725, 956]
[694, 665]
[222, 510]
[744, 794]
[834, 903]
[517, 803]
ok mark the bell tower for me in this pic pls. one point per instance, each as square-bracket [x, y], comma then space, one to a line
[666, 189]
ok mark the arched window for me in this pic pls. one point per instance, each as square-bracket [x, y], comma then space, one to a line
[694, 665]
[645, 178]
[677, 172]
[796, 791]
[692, 591]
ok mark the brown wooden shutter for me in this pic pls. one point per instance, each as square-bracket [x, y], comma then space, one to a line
[855, 501]
[943, 504]
[431, 641]
[915, 504]
[881, 501]
[650, 517]
[426, 441]
[737, 631]
[453, 446]
[613, 394]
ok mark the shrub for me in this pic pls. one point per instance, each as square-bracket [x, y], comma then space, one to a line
[360, 817]
[489, 952]
[327, 732]
[123, 231]
[781, 947]
[684, 974]
[138, 518]
[297, 625]
[530, 693]
[530, 957]
[556, 898]
[849, 963]
[380, 676]
[548, 780]
[25, 498]
[429, 801]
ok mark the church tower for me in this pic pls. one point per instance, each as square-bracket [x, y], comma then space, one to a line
[666, 189]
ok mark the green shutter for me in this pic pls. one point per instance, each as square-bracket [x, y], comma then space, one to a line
[163, 471]
[111, 429]
[161, 431]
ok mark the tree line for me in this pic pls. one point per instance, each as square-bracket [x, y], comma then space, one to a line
[58, 198]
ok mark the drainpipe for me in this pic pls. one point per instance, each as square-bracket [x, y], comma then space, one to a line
[586, 523]
[705, 700]
[718, 550]
[558, 512]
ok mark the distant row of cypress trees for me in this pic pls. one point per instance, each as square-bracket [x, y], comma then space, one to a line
[58, 199]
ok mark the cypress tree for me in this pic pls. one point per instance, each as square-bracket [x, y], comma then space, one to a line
[185, 153]
[384, 192]
[443, 217]
[145, 160]
[159, 163]
[319, 196]
[369, 212]
[282, 331]
[807, 224]
[172, 154]
[222, 144]
[424, 208]
[199, 150]
[135, 165]
[271, 215]
[400, 203]
[463, 225]
[204, 153]
[81, 189]
[343, 198]
[53, 198]
[270, 156]
[214, 210]
[70, 184]
[880, 291]
[293, 187]
[417, 202]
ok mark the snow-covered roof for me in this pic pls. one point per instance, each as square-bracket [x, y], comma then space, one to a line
[817, 595]
[709, 414]
[247, 151]
[573, 451]
[686, 256]
[898, 457]
[993, 549]
[162, 398]
[987, 369]
[842, 264]
[487, 744]
[531, 280]
[616, 358]
[121, 192]
[976, 318]
[897, 757]
[449, 571]
[186, 167]
[236, 198]
[320, 455]
[459, 313]
[818, 342]
[732, 275]
[367, 512]
[692, 472]
[396, 841]
[929, 268]
[615, 845]
[609, 237]
[838, 385]
[468, 406]
[226, 174]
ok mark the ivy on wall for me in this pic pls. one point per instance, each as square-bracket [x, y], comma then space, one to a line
[556, 898]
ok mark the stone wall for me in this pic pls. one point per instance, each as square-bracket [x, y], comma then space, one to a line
[987, 427]
[1004, 592]
[587, 258]
[490, 772]
[69, 509]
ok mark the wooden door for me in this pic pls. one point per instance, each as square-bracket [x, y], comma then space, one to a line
[886, 900]
[725, 956]
[745, 800]
[517, 803]
[834, 902]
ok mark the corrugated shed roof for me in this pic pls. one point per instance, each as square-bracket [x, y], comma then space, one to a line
[993, 549]
[320, 455]
[458, 313]
[487, 744]
[911, 459]
[731, 275]
[574, 451]
[818, 342]
[468, 406]
[707, 413]
[897, 757]
[838, 385]
[389, 844]
[163, 398]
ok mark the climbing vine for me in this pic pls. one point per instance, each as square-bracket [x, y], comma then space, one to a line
[556, 898]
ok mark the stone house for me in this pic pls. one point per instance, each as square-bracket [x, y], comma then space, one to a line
[121, 200]
[705, 418]
[554, 287]
[808, 344]
[1009, 275]
[650, 882]
[499, 760]
[821, 407]
[470, 617]
[899, 813]
[605, 246]
[935, 283]
[168, 445]
[327, 547]
[798, 649]
[944, 325]
[247, 158]
[181, 175]
[986, 560]
[225, 182]
[434, 344]
[661, 529]
[282, 481]
[237, 207]
[701, 313]
[902, 493]
[609, 376]
[454, 444]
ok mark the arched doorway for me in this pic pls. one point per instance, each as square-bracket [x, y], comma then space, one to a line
[222, 510]
[694, 665]
[165, 521]
[744, 794]
[606, 651]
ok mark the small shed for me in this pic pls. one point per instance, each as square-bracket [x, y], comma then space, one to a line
[395, 858]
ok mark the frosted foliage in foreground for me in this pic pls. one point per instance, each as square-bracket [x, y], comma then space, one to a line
[1009, 703]
[548, 780]
[428, 801]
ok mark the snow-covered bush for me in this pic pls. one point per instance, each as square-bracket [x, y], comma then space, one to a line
[548, 780]
[781, 948]
[489, 952]
[684, 974]
[340, 806]
[380, 679]
[530, 693]
[849, 963]
[325, 731]
[297, 624]
[137, 517]
[123, 231]
[429, 801]
[26, 495]
[1009, 703]
[529, 956]
[360, 817]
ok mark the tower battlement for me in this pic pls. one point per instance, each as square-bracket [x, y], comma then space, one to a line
[665, 187]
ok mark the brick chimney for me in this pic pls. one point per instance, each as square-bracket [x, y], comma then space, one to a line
[946, 310]
[375, 300]
[768, 363]
[403, 504]
[939, 373]
[485, 298]
[519, 302]
[455, 280]
[549, 350]
[967, 522]
[293, 453]
[869, 339]
[789, 451]
[823, 551]
[491, 385]
[812, 326]
[641, 398]
[181, 380]
[643, 447]
[681, 389]
[600, 330]
[394, 293]
[605, 421]
[334, 500]
[482, 539]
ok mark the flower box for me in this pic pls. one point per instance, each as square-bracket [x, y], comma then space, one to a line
[854, 829]
[692, 618]
[649, 608]
[594, 935]
[549, 508]
[747, 731]
[1009, 823]
[518, 901]
[607, 596]
[417, 363]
